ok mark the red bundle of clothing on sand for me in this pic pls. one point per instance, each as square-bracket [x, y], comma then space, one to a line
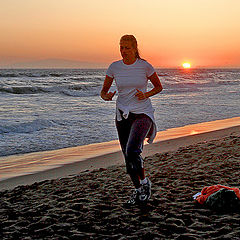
[208, 191]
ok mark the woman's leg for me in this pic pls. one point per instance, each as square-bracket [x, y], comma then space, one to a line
[138, 132]
[123, 128]
[131, 133]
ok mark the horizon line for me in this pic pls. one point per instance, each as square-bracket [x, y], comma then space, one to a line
[156, 67]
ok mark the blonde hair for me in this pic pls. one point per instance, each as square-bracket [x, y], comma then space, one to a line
[133, 40]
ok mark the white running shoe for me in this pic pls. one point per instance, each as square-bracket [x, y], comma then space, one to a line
[145, 192]
[134, 199]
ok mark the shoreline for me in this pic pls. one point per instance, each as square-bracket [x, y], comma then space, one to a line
[72, 161]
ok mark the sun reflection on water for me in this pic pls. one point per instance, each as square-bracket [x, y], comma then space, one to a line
[193, 132]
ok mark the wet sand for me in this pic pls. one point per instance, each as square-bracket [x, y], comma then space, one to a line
[26, 169]
[91, 204]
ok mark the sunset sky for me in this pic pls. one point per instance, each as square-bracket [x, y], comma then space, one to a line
[205, 33]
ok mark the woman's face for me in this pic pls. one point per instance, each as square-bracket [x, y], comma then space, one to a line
[127, 50]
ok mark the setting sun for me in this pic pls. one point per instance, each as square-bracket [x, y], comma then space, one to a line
[186, 65]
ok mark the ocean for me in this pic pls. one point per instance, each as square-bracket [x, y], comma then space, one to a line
[47, 109]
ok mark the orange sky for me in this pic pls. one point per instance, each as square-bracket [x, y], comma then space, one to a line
[205, 33]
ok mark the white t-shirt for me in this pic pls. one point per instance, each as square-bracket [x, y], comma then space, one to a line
[128, 78]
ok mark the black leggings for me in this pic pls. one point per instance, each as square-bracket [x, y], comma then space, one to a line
[132, 132]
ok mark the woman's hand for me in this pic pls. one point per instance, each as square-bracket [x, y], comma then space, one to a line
[157, 88]
[140, 95]
[107, 96]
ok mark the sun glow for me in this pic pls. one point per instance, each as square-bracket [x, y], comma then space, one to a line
[186, 65]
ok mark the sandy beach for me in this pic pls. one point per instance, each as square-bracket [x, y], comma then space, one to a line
[91, 204]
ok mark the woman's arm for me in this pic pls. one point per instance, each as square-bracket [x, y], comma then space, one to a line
[157, 88]
[105, 95]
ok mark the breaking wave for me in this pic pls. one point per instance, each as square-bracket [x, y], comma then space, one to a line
[70, 90]
[27, 127]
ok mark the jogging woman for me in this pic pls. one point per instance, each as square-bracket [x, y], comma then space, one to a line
[134, 111]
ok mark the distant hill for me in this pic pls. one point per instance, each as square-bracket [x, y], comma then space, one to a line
[56, 63]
